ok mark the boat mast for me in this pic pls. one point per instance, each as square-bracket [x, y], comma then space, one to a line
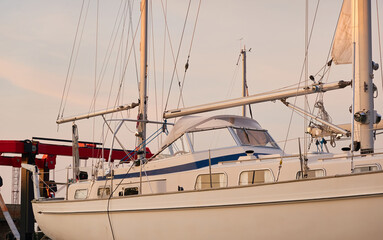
[364, 105]
[142, 112]
[244, 83]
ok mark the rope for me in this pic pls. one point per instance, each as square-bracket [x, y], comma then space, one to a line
[110, 196]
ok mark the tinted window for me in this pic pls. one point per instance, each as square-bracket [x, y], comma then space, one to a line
[312, 173]
[218, 180]
[258, 138]
[255, 177]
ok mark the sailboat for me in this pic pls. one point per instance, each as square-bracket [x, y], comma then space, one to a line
[236, 189]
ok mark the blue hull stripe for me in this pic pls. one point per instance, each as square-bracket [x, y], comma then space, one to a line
[183, 167]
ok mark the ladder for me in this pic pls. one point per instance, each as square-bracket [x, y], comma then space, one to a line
[15, 185]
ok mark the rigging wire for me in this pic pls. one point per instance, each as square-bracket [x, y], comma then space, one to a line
[120, 48]
[63, 99]
[77, 52]
[135, 54]
[300, 81]
[126, 64]
[108, 53]
[232, 82]
[170, 40]
[96, 56]
[123, 19]
[324, 68]
[143, 144]
[95, 75]
[178, 52]
[190, 48]
[308, 45]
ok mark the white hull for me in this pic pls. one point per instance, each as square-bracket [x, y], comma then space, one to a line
[341, 207]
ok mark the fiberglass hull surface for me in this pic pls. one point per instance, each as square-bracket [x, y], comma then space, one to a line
[346, 207]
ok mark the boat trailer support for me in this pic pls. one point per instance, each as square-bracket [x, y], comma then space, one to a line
[27, 220]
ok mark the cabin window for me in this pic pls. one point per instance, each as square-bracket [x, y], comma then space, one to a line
[130, 191]
[256, 177]
[366, 168]
[211, 139]
[103, 192]
[314, 173]
[81, 194]
[218, 180]
[258, 138]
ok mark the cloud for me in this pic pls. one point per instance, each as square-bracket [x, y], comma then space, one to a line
[34, 79]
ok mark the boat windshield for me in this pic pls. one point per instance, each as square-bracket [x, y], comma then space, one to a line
[202, 140]
[178, 147]
[258, 138]
[211, 139]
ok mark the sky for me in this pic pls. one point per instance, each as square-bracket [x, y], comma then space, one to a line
[37, 38]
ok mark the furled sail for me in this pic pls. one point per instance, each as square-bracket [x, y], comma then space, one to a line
[342, 47]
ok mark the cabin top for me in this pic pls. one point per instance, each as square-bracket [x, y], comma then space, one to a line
[200, 123]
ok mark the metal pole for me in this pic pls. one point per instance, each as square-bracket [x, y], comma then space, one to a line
[75, 152]
[256, 98]
[140, 175]
[353, 110]
[333, 127]
[142, 115]
[211, 179]
[364, 103]
[100, 113]
[67, 183]
[301, 158]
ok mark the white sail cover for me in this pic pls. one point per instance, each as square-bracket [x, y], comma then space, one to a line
[342, 47]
